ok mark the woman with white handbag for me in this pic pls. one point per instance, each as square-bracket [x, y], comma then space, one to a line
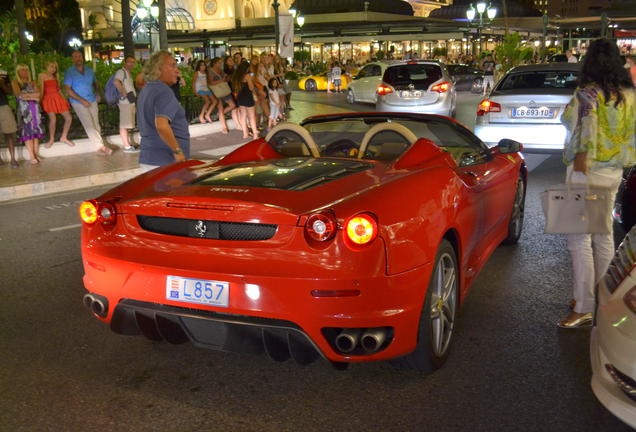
[601, 121]
[218, 83]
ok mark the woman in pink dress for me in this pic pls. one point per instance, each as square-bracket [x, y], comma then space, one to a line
[53, 103]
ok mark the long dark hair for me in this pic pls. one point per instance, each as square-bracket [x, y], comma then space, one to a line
[603, 67]
[239, 74]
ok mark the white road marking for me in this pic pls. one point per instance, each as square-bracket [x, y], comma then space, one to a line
[62, 228]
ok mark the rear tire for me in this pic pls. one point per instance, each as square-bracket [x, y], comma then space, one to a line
[438, 315]
[515, 226]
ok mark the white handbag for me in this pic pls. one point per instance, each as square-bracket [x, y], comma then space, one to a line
[576, 208]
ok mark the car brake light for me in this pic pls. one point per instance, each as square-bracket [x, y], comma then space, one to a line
[630, 299]
[361, 229]
[384, 89]
[106, 213]
[441, 87]
[92, 211]
[88, 212]
[486, 106]
[321, 226]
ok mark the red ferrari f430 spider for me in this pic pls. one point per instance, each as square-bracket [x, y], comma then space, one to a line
[352, 237]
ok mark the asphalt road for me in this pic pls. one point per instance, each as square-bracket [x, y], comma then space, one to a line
[510, 368]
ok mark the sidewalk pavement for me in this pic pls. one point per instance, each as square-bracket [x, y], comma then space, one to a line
[64, 168]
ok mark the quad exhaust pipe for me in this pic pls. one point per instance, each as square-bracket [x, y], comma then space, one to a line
[367, 340]
[96, 304]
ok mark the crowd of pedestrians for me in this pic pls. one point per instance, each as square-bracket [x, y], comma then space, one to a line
[254, 94]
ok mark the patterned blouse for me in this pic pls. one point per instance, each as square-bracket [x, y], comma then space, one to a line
[605, 132]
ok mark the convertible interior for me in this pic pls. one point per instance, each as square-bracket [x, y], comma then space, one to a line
[372, 138]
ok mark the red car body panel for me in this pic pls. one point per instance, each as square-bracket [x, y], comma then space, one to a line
[418, 200]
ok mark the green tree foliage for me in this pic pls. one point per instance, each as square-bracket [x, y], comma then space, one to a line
[512, 52]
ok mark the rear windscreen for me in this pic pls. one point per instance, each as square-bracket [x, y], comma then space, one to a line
[420, 75]
[540, 80]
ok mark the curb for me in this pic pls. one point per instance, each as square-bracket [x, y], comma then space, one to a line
[9, 193]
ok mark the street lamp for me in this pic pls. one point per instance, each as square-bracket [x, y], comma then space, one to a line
[74, 43]
[148, 13]
[481, 7]
[276, 5]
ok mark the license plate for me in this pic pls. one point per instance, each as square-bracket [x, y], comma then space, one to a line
[532, 113]
[411, 94]
[200, 291]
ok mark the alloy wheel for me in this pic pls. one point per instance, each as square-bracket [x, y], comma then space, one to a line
[443, 304]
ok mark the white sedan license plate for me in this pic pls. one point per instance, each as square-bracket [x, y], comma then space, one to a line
[200, 291]
[532, 113]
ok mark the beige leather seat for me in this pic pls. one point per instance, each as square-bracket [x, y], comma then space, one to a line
[392, 148]
[299, 141]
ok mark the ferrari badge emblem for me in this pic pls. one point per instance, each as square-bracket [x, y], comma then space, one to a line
[200, 227]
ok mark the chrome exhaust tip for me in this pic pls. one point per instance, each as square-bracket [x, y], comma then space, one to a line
[98, 307]
[373, 339]
[347, 340]
[88, 300]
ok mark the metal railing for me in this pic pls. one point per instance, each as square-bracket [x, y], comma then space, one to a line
[109, 119]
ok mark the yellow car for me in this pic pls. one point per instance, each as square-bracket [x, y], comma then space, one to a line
[319, 82]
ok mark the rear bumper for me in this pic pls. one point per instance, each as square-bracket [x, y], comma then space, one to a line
[548, 138]
[612, 354]
[285, 313]
[443, 106]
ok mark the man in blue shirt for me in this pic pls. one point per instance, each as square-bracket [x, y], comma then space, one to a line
[165, 137]
[81, 86]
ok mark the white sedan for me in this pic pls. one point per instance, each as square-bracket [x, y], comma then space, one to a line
[613, 342]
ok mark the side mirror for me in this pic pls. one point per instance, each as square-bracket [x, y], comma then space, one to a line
[509, 146]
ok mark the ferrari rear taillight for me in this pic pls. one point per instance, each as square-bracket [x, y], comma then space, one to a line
[321, 226]
[361, 229]
[88, 212]
[441, 87]
[93, 211]
[486, 106]
[384, 89]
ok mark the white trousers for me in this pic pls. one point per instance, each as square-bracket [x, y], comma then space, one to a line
[591, 254]
[89, 117]
[489, 81]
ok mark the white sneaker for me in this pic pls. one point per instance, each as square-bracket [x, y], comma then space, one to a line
[131, 150]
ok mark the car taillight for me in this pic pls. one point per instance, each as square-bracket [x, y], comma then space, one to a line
[93, 211]
[321, 226]
[486, 106]
[441, 87]
[384, 89]
[361, 229]
[630, 299]
[88, 212]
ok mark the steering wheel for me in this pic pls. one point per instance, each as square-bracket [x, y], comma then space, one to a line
[381, 127]
[341, 148]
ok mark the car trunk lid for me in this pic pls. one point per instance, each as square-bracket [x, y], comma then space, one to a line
[528, 108]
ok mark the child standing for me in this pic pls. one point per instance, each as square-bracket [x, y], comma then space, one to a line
[275, 112]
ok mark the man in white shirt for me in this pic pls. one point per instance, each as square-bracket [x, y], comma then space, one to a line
[336, 75]
[127, 98]
[571, 57]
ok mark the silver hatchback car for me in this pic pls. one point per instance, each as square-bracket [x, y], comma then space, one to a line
[526, 106]
[417, 86]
